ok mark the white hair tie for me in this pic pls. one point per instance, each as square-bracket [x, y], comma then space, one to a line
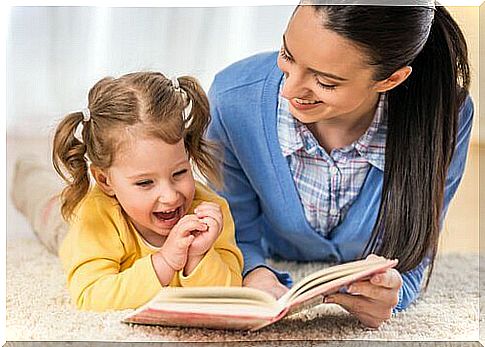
[186, 112]
[186, 115]
[175, 83]
[86, 114]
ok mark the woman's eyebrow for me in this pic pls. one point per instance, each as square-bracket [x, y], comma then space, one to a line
[320, 73]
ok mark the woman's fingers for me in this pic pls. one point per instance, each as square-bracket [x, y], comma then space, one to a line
[373, 300]
[374, 292]
[366, 310]
[390, 279]
[264, 279]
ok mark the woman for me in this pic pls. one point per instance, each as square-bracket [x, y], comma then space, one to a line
[351, 141]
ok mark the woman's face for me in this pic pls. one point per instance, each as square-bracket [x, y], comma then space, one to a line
[327, 77]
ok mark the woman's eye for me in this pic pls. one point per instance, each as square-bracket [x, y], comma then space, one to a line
[180, 173]
[326, 86]
[144, 183]
[284, 56]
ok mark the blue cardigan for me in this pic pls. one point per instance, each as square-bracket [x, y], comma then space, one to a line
[268, 214]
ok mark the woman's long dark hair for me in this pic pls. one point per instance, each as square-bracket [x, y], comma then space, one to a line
[422, 117]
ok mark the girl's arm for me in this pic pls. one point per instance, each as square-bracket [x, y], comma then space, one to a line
[102, 275]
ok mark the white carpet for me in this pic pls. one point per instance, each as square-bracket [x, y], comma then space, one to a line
[39, 308]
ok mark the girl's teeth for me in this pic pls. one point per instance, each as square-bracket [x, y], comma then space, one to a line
[167, 215]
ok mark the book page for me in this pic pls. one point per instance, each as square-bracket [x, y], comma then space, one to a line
[326, 288]
[198, 304]
[239, 309]
[331, 274]
[213, 296]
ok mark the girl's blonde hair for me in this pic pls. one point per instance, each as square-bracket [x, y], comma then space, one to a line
[143, 103]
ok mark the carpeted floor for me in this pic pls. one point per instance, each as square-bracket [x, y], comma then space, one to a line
[39, 308]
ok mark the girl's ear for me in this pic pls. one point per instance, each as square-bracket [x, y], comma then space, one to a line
[394, 80]
[103, 180]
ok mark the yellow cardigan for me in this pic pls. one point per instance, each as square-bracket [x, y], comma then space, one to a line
[108, 264]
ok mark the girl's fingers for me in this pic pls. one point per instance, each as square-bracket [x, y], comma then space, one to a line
[212, 224]
[206, 208]
[216, 214]
[207, 205]
[187, 225]
[185, 242]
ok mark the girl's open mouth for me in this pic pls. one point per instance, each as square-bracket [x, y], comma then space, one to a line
[169, 216]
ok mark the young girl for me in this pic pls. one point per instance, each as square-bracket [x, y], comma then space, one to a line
[145, 223]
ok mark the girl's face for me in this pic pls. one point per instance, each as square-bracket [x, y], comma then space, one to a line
[153, 182]
[327, 78]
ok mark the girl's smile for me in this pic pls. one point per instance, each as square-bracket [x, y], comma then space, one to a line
[168, 218]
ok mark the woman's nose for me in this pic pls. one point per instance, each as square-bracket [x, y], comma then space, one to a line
[294, 85]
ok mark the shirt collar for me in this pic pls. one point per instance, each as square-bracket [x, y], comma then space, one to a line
[372, 144]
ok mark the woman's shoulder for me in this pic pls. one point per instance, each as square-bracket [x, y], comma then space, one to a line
[246, 72]
[465, 120]
[467, 106]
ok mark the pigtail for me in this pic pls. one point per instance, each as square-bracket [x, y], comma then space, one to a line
[206, 155]
[68, 157]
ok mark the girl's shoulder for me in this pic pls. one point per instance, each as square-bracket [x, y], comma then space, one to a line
[97, 205]
[204, 193]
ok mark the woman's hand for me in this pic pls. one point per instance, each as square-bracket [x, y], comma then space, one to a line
[371, 301]
[264, 279]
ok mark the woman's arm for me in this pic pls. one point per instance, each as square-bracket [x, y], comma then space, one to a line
[238, 191]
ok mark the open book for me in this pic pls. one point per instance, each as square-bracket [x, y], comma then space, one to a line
[246, 308]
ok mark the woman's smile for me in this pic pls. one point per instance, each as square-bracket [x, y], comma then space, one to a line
[304, 104]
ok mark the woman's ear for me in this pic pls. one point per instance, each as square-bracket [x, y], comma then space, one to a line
[103, 180]
[398, 77]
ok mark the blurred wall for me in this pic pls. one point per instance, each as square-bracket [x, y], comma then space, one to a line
[55, 54]
[469, 18]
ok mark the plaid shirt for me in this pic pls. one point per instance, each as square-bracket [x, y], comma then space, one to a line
[328, 183]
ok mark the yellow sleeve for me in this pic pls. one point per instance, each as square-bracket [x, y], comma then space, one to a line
[222, 265]
[104, 270]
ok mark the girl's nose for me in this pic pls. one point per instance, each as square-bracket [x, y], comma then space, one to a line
[167, 195]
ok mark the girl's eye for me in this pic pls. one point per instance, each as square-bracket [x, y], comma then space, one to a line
[180, 173]
[284, 56]
[144, 183]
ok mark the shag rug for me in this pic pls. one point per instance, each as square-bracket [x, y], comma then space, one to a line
[39, 308]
